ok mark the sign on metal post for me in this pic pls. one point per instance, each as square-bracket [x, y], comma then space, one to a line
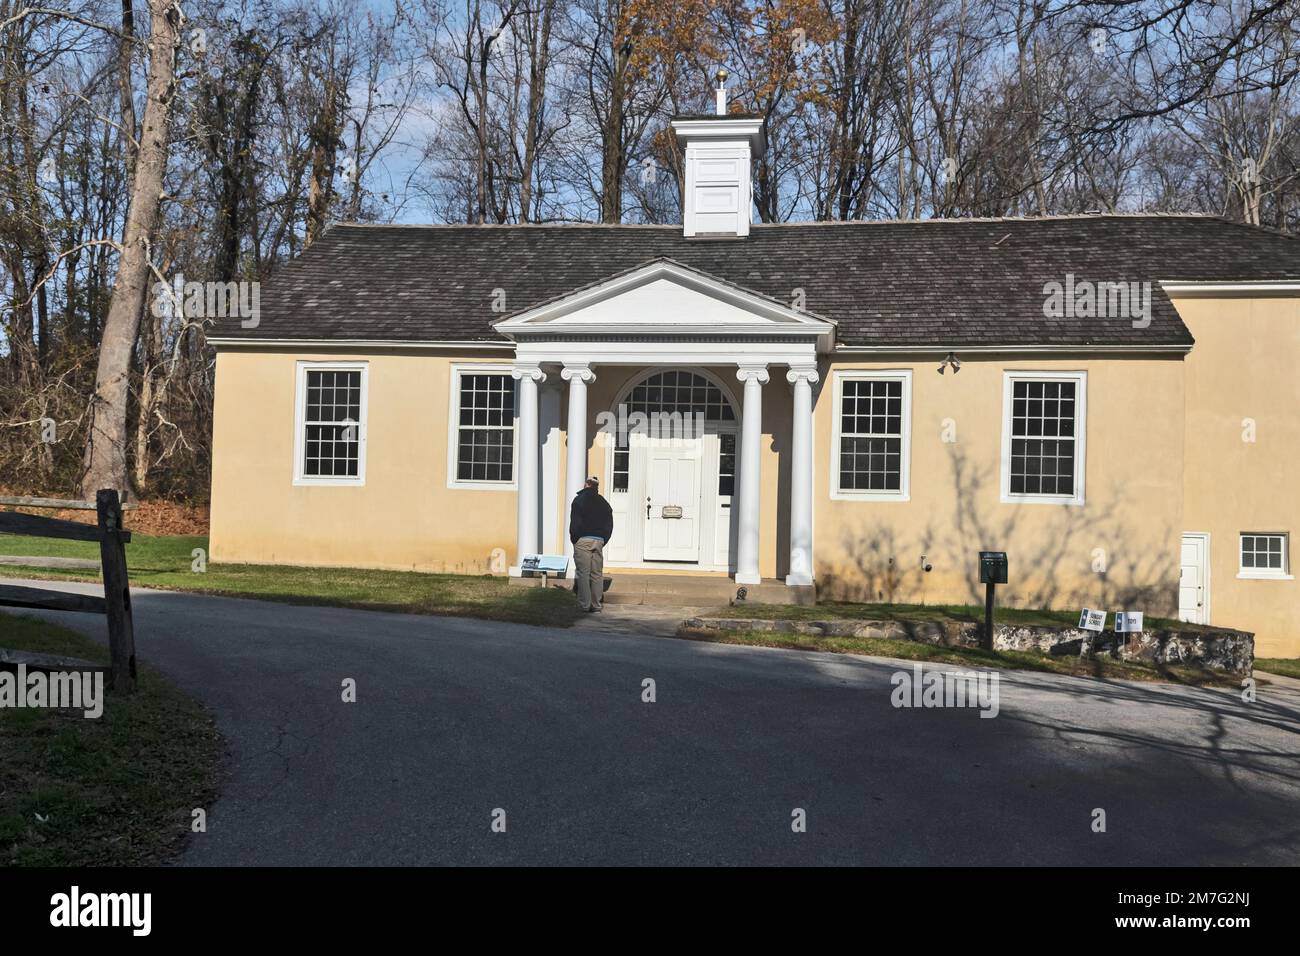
[1128, 622]
[1091, 620]
[543, 566]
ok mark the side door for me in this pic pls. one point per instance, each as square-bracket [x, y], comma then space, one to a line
[1193, 581]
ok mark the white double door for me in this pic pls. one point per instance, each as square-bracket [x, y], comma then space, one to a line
[670, 509]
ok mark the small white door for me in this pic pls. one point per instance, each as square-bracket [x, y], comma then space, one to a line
[1193, 595]
[672, 504]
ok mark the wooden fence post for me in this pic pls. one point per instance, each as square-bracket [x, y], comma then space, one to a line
[117, 590]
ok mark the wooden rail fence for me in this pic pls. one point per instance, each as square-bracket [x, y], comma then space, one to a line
[116, 602]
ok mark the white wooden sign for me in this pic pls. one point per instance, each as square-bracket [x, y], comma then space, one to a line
[1128, 622]
[1091, 620]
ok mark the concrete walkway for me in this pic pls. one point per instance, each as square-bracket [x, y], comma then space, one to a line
[455, 719]
[650, 620]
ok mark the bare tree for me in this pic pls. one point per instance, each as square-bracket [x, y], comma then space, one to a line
[105, 465]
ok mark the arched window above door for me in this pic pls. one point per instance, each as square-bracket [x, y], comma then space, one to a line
[684, 392]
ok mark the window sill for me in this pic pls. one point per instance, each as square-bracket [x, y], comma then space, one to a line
[1262, 576]
[329, 482]
[1010, 499]
[482, 485]
[869, 496]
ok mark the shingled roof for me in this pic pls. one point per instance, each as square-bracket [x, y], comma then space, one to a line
[929, 283]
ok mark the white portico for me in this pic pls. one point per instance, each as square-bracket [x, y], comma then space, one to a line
[694, 498]
[690, 499]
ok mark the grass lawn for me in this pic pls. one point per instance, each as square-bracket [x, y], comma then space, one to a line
[1286, 666]
[165, 562]
[834, 610]
[116, 790]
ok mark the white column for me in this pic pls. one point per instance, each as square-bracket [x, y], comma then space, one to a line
[751, 442]
[526, 475]
[801, 477]
[579, 376]
[549, 415]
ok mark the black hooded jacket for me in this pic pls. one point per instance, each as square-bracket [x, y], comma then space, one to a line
[590, 515]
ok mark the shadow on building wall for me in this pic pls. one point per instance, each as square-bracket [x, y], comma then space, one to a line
[1103, 554]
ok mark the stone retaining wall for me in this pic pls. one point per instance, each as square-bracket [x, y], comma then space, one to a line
[1214, 649]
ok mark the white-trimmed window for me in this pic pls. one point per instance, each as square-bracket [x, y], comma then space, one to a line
[1044, 418]
[330, 423]
[1265, 554]
[481, 432]
[872, 435]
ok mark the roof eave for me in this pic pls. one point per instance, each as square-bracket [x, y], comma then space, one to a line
[1171, 348]
[1261, 289]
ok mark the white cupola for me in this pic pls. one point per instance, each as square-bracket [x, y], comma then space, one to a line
[718, 193]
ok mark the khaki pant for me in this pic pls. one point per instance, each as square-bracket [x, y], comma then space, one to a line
[589, 562]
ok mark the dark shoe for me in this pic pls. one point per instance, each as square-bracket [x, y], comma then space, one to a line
[591, 610]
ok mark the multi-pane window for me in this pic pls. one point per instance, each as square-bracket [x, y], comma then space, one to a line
[485, 431]
[871, 435]
[726, 465]
[1043, 434]
[1264, 554]
[332, 424]
[682, 392]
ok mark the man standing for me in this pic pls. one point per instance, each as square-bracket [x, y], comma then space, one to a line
[591, 522]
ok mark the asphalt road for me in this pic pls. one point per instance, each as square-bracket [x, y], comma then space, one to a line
[455, 719]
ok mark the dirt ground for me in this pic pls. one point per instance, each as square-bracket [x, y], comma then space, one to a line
[151, 517]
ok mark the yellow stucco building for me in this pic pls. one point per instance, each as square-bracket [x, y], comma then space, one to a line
[858, 408]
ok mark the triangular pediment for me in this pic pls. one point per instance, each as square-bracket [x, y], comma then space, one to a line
[665, 297]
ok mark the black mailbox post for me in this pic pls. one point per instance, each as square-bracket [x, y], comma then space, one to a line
[993, 571]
